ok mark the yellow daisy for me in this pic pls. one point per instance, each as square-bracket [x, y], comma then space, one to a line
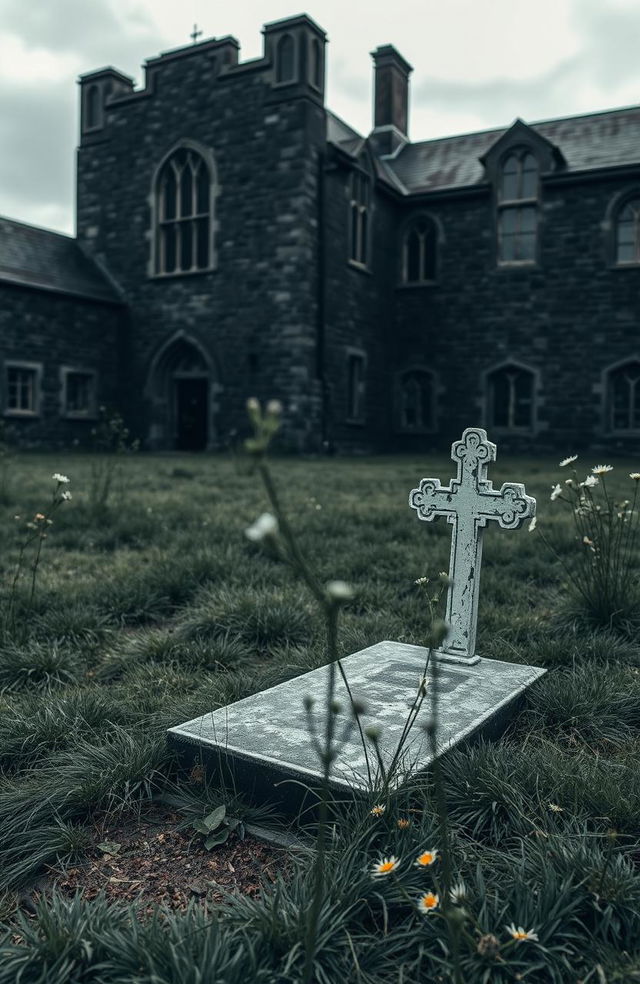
[378, 810]
[384, 867]
[428, 902]
[601, 469]
[426, 859]
[403, 823]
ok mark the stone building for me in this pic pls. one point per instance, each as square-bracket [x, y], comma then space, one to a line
[236, 238]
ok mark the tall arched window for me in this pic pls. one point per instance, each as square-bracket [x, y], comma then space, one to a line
[628, 232]
[510, 398]
[623, 397]
[315, 64]
[518, 208]
[93, 108]
[359, 219]
[416, 400]
[419, 252]
[183, 210]
[285, 59]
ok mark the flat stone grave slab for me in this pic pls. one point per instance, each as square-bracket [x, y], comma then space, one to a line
[263, 741]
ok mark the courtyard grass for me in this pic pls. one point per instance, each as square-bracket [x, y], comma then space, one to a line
[155, 609]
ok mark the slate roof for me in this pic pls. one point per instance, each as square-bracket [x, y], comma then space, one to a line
[596, 140]
[40, 258]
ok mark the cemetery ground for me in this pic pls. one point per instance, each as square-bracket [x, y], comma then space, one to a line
[153, 608]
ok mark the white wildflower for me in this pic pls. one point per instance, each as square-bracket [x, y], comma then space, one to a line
[569, 460]
[60, 479]
[590, 481]
[266, 525]
[66, 495]
[555, 492]
[339, 591]
[601, 469]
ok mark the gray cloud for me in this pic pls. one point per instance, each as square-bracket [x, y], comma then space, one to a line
[40, 130]
[89, 29]
[610, 34]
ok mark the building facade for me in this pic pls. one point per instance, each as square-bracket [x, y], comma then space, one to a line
[238, 239]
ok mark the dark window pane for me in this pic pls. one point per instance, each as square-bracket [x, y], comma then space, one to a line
[364, 233]
[202, 233]
[169, 248]
[529, 177]
[526, 246]
[314, 73]
[202, 190]
[186, 192]
[354, 232]
[79, 392]
[511, 398]
[285, 59]
[527, 219]
[429, 254]
[168, 194]
[186, 245]
[93, 106]
[413, 257]
[510, 171]
[509, 220]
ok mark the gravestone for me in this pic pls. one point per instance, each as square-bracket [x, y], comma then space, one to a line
[262, 742]
[469, 502]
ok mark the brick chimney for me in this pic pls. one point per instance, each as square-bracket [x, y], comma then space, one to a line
[390, 99]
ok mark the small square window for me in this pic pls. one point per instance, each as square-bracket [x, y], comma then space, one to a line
[22, 389]
[78, 393]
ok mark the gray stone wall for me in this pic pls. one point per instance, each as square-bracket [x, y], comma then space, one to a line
[255, 314]
[52, 331]
[568, 318]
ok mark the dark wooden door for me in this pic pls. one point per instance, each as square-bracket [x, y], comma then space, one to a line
[191, 414]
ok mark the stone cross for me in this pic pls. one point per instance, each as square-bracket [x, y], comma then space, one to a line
[469, 502]
[195, 34]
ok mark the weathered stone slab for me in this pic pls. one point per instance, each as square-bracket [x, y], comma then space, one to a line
[264, 739]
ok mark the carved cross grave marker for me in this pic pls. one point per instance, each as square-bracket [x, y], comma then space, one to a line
[469, 502]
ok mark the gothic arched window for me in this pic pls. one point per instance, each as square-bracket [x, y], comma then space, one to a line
[510, 398]
[183, 210]
[419, 247]
[628, 232]
[623, 397]
[285, 59]
[416, 400]
[518, 208]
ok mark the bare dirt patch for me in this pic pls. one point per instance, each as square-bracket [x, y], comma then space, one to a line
[150, 862]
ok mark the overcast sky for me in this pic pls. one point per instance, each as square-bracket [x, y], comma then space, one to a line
[477, 64]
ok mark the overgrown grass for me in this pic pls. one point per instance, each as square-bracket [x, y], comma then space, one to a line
[157, 609]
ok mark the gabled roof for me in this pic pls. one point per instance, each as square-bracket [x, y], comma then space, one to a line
[33, 257]
[596, 140]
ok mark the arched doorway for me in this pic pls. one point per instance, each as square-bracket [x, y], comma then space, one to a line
[180, 386]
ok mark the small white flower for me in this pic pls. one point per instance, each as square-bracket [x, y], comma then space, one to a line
[569, 460]
[555, 492]
[458, 893]
[522, 935]
[265, 525]
[532, 524]
[590, 481]
[421, 580]
[635, 476]
[252, 404]
[339, 590]
[601, 469]
[61, 479]
[66, 495]
[274, 407]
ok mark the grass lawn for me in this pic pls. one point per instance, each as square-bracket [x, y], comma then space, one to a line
[157, 609]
